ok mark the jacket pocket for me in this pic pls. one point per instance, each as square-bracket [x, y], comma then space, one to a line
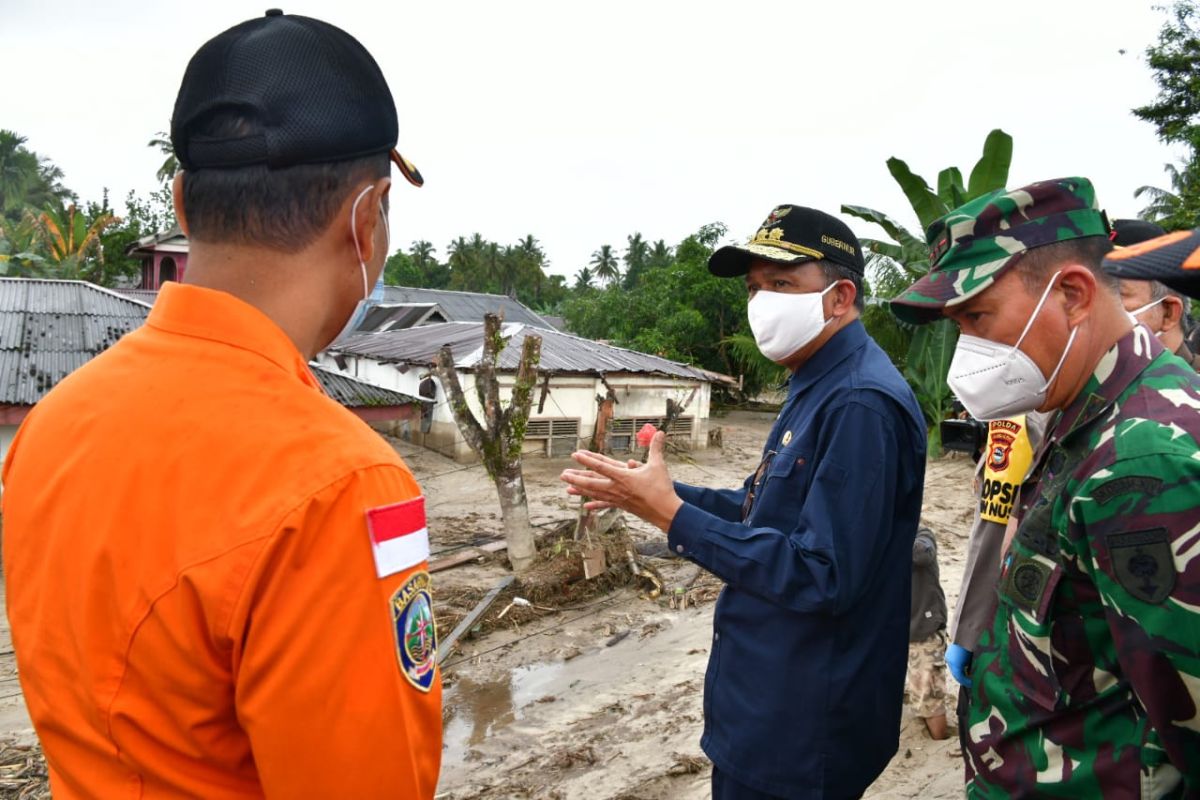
[1029, 582]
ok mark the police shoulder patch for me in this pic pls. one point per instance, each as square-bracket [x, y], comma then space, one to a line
[416, 631]
[1143, 563]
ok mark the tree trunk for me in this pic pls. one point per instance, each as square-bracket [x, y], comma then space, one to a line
[498, 439]
[514, 512]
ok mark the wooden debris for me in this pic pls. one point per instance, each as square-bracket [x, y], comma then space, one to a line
[467, 556]
[684, 764]
[447, 644]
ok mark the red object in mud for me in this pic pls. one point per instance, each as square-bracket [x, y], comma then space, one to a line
[646, 434]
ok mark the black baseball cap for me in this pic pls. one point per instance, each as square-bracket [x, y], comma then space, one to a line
[315, 93]
[790, 235]
[1128, 232]
[1172, 259]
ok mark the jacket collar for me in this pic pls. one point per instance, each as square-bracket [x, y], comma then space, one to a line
[841, 346]
[1115, 371]
[220, 317]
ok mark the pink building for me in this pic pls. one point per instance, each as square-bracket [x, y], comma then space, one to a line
[163, 256]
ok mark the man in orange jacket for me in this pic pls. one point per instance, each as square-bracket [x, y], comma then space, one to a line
[217, 576]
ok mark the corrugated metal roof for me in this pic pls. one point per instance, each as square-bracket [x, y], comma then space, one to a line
[454, 306]
[353, 393]
[48, 329]
[147, 296]
[467, 306]
[561, 352]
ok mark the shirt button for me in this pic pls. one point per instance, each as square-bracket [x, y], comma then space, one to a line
[716, 637]
[678, 548]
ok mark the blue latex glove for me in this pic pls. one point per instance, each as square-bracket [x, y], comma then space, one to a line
[958, 659]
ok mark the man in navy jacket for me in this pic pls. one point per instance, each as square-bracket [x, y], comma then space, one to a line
[805, 681]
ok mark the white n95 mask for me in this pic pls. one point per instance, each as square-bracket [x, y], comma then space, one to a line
[994, 380]
[783, 323]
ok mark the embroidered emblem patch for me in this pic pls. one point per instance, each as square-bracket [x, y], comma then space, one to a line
[776, 215]
[1130, 484]
[416, 631]
[1029, 581]
[1143, 564]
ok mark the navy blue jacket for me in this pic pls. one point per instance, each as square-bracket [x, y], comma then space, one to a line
[805, 678]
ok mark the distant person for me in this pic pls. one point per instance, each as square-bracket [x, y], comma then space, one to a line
[428, 394]
[1157, 306]
[805, 683]
[1088, 682]
[217, 576]
[926, 677]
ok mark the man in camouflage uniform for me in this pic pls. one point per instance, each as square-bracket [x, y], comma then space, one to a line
[1156, 305]
[1088, 682]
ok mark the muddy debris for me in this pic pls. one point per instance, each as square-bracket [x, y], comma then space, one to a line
[23, 774]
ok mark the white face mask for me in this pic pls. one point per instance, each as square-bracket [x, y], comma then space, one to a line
[994, 380]
[783, 323]
[370, 297]
[1138, 312]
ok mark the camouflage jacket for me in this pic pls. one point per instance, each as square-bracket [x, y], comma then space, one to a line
[1088, 683]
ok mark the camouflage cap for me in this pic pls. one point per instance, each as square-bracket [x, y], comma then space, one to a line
[975, 244]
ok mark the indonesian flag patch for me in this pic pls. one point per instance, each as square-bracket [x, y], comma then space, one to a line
[399, 538]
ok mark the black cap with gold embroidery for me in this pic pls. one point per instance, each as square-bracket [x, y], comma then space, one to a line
[790, 235]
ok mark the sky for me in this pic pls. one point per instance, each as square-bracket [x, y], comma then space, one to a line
[582, 123]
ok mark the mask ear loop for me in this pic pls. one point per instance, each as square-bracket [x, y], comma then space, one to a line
[354, 236]
[1036, 310]
[1061, 361]
[1147, 307]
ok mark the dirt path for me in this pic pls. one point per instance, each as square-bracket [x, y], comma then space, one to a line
[602, 699]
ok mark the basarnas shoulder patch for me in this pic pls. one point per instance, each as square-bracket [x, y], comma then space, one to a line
[1143, 563]
[416, 631]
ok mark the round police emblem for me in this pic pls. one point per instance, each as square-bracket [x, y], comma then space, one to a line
[416, 631]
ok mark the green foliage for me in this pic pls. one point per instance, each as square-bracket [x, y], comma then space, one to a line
[759, 371]
[170, 165]
[1175, 115]
[923, 353]
[636, 258]
[27, 180]
[677, 310]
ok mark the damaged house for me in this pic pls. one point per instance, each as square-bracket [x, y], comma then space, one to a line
[573, 373]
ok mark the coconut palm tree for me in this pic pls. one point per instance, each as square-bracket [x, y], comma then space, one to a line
[660, 255]
[584, 278]
[1177, 208]
[162, 142]
[637, 253]
[27, 180]
[604, 264]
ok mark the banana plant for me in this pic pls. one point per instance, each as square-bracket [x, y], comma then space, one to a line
[70, 241]
[930, 347]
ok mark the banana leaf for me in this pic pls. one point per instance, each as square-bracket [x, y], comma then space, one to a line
[991, 171]
[925, 203]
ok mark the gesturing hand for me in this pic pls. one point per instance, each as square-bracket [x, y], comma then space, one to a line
[644, 490]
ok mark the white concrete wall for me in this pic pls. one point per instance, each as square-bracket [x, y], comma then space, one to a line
[7, 433]
[570, 396]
